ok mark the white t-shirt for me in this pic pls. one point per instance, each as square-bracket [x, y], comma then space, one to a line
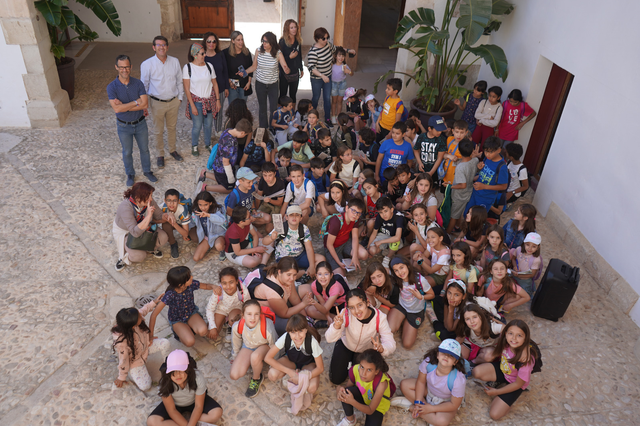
[432, 201]
[440, 258]
[338, 207]
[349, 172]
[201, 84]
[316, 350]
[515, 177]
[299, 194]
[410, 302]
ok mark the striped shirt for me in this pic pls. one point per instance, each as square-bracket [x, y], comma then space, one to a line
[321, 59]
[267, 69]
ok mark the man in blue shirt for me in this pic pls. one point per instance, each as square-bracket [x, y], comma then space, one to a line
[128, 99]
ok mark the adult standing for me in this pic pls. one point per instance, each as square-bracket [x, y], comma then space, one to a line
[238, 57]
[135, 226]
[162, 79]
[129, 100]
[201, 89]
[214, 56]
[291, 48]
[265, 64]
[319, 63]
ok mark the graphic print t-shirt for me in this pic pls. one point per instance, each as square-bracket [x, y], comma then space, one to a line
[394, 155]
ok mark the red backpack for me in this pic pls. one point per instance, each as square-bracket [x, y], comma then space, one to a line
[376, 382]
[266, 312]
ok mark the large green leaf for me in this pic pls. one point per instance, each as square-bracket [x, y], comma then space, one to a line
[58, 51]
[84, 32]
[68, 18]
[501, 7]
[494, 56]
[457, 92]
[417, 17]
[474, 17]
[51, 12]
[106, 12]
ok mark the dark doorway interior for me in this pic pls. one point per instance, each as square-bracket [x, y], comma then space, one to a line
[553, 101]
[379, 21]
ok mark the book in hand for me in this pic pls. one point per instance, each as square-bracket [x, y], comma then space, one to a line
[282, 171]
[348, 265]
[278, 226]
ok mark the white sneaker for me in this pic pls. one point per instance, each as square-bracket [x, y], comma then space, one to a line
[334, 120]
[346, 422]
[401, 402]
[200, 423]
[385, 262]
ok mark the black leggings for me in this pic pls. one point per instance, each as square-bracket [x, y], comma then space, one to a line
[339, 368]
[374, 419]
[438, 326]
[291, 86]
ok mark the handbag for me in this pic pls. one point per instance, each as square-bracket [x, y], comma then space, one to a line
[292, 78]
[146, 241]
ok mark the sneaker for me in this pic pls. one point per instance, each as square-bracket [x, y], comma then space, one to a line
[329, 125]
[152, 178]
[158, 254]
[321, 324]
[130, 180]
[254, 387]
[401, 402]
[160, 162]
[385, 262]
[194, 151]
[208, 147]
[143, 300]
[333, 119]
[176, 156]
[174, 251]
[201, 423]
[305, 279]
[222, 256]
[200, 187]
[120, 265]
[346, 422]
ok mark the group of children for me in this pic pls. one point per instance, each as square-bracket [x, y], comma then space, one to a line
[374, 182]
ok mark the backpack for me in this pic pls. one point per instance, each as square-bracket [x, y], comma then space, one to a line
[235, 192]
[445, 207]
[323, 229]
[522, 166]
[307, 344]
[451, 378]
[261, 279]
[212, 157]
[186, 203]
[376, 382]
[208, 68]
[537, 355]
[265, 312]
[346, 319]
[325, 181]
[240, 293]
[336, 278]
[441, 170]
[405, 112]
[292, 188]
[281, 237]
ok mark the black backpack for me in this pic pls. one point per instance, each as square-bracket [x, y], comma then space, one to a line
[537, 355]
[307, 344]
[336, 278]
[263, 280]
[286, 232]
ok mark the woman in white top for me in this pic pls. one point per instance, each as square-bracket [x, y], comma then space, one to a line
[201, 89]
[265, 65]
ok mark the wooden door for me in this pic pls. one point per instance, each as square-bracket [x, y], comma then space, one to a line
[201, 16]
[553, 100]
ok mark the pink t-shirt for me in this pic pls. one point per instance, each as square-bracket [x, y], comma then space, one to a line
[335, 290]
[511, 117]
[438, 386]
[440, 257]
[510, 372]
[492, 291]
[525, 262]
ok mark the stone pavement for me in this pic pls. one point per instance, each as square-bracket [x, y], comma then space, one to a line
[62, 292]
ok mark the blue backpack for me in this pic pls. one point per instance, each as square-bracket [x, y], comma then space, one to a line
[235, 192]
[212, 157]
[306, 182]
[451, 378]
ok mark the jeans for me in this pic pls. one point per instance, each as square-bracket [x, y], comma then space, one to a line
[220, 117]
[126, 133]
[288, 86]
[199, 121]
[318, 85]
[264, 91]
[237, 93]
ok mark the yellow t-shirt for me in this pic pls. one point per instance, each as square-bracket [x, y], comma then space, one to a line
[450, 166]
[390, 108]
[367, 392]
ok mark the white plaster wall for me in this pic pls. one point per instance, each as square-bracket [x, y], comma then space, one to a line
[13, 95]
[591, 169]
[319, 13]
[140, 20]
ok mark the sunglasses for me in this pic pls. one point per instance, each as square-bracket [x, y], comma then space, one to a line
[212, 41]
[326, 38]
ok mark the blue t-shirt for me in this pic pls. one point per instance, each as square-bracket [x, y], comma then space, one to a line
[322, 183]
[486, 197]
[245, 199]
[394, 155]
[255, 153]
[125, 94]
[282, 118]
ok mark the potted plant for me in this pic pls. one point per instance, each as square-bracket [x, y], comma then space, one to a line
[440, 68]
[60, 18]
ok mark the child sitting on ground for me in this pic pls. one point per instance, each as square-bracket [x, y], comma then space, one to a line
[176, 204]
[300, 192]
[282, 119]
[208, 226]
[257, 152]
[344, 136]
[324, 148]
[283, 163]
[356, 108]
[387, 230]
[226, 306]
[270, 193]
[300, 150]
[243, 243]
[345, 168]
[317, 175]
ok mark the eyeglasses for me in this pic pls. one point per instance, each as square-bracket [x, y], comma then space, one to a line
[124, 68]
[212, 41]
[161, 45]
[354, 212]
[265, 41]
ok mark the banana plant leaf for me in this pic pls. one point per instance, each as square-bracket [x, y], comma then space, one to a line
[420, 16]
[106, 12]
[50, 10]
[501, 7]
[474, 17]
[494, 56]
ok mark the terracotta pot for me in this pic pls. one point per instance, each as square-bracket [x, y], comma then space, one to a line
[449, 112]
[67, 75]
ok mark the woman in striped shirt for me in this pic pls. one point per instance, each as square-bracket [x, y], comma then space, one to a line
[265, 65]
[319, 63]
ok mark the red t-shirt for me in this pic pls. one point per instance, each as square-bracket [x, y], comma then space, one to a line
[342, 234]
[511, 117]
[236, 235]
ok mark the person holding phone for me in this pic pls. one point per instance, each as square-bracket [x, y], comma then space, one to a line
[238, 58]
[291, 47]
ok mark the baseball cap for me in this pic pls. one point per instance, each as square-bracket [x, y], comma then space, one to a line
[450, 347]
[294, 210]
[349, 93]
[369, 98]
[246, 173]
[533, 237]
[177, 360]
[437, 123]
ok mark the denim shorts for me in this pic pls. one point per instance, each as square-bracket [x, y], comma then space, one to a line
[196, 311]
[338, 87]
